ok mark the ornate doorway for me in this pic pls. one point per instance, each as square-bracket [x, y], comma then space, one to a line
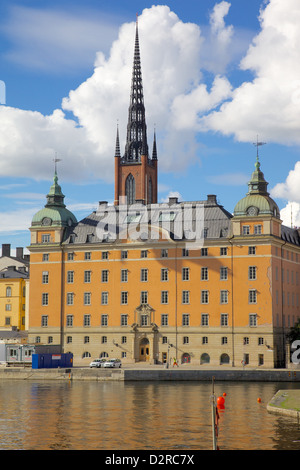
[144, 354]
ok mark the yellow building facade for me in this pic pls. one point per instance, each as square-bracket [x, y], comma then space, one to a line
[153, 282]
[13, 298]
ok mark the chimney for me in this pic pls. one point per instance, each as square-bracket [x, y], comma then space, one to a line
[19, 252]
[212, 199]
[173, 200]
[6, 249]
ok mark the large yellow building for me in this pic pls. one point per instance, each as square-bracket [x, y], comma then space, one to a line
[150, 282]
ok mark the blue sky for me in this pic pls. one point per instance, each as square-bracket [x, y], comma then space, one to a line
[216, 75]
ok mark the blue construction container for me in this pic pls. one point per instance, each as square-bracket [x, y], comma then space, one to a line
[52, 361]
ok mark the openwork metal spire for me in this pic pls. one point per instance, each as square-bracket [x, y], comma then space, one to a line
[136, 142]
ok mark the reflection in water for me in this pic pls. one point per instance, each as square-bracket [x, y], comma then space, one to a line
[151, 415]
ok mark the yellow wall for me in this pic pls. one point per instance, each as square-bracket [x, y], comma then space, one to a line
[16, 301]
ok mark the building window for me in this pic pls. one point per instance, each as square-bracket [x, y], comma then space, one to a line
[164, 296]
[104, 275]
[223, 296]
[86, 320]
[69, 321]
[104, 254]
[204, 340]
[223, 274]
[45, 277]
[204, 296]
[86, 339]
[87, 298]
[124, 298]
[185, 340]
[246, 229]
[185, 252]
[164, 253]
[70, 256]
[103, 339]
[44, 322]
[185, 296]
[87, 276]
[260, 341]
[224, 340]
[45, 256]
[8, 292]
[144, 253]
[246, 341]
[252, 250]
[144, 320]
[70, 277]
[224, 319]
[124, 319]
[124, 339]
[223, 251]
[124, 254]
[7, 321]
[8, 307]
[144, 297]
[104, 320]
[185, 319]
[69, 339]
[252, 319]
[70, 298]
[257, 229]
[185, 274]
[104, 298]
[46, 238]
[204, 319]
[144, 275]
[164, 274]
[124, 275]
[130, 189]
[164, 319]
[252, 296]
[87, 255]
[204, 274]
[204, 251]
[45, 299]
[252, 273]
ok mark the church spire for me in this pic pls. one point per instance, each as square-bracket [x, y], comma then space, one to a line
[136, 142]
[117, 151]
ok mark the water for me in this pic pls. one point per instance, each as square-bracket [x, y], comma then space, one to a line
[136, 416]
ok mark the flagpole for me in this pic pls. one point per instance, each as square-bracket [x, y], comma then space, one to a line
[213, 402]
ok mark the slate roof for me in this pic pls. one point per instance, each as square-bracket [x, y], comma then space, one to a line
[113, 220]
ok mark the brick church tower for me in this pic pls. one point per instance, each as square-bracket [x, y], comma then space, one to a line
[136, 172]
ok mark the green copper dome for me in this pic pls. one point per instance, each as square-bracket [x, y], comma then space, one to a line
[257, 201]
[55, 212]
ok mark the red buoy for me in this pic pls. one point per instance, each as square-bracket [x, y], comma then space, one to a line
[220, 401]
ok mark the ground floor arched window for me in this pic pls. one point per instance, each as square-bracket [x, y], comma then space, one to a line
[224, 359]
[205, 358]
[185, 358]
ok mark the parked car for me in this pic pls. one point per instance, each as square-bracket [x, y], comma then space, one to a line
[112, 363]
[98, 362]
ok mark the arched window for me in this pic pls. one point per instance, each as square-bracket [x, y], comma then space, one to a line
[8, 292]
[204, 359]
[130, 189]
[224, 359]
[150, 191]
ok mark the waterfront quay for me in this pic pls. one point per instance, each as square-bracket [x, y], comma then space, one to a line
[138, 372]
